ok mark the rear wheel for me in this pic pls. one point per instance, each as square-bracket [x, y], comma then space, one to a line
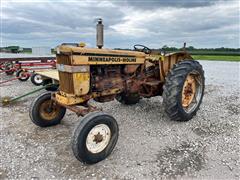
[128, 98]
[183, 90]
[36, 79]
[95, 137]
[44, 112]
[23, 75]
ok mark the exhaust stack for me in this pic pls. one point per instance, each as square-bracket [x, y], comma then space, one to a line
[100, 27]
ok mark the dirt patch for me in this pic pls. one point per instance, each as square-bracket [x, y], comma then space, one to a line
[181, 160]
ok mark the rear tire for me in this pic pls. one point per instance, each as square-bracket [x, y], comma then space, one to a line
[128, 98]
[183, 90]
[24, 76]
[95, 137]
[36, 79]
[43, 114]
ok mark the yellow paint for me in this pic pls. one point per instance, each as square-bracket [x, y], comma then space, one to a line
[81, 82]
[155, 57]
[72, 49]
[69, 99]
[83, 60]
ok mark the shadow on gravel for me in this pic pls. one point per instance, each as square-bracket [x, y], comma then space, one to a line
[184, 159]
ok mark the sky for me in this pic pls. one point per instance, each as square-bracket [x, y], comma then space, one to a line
[154, 23]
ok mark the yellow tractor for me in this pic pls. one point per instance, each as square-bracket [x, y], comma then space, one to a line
[127, 76]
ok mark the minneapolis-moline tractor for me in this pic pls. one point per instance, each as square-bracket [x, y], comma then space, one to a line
[127, 76]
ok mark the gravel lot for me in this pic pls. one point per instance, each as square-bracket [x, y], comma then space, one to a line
[150, 146]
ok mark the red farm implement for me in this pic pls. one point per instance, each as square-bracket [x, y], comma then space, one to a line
[25, 68]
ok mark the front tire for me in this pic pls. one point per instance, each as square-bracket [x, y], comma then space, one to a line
[44, 112]
[95, 137]
[183, 90]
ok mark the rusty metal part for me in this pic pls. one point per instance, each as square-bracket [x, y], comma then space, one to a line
[82, 110]
[189, 90]
[129, 69]
[49, 110]
[103, 83]
[106, 78]
[150, 88]
[146, 83]
[98, 138]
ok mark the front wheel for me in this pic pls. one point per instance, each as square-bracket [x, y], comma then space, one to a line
[95, 137]
[45, 112]
[183, 90]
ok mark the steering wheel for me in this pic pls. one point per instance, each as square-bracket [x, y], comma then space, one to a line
[142, 48]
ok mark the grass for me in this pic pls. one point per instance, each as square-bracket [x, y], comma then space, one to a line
[216, 57]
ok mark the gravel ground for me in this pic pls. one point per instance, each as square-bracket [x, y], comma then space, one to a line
[150, 146]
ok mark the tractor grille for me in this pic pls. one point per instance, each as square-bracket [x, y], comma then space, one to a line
[66, 82]
[65, 78]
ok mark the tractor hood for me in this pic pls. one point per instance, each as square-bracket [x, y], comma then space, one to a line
[73, 50]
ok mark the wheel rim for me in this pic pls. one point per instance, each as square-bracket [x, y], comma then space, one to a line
[192, 91]
[98, 138]
[38, 79]
[49, 110]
